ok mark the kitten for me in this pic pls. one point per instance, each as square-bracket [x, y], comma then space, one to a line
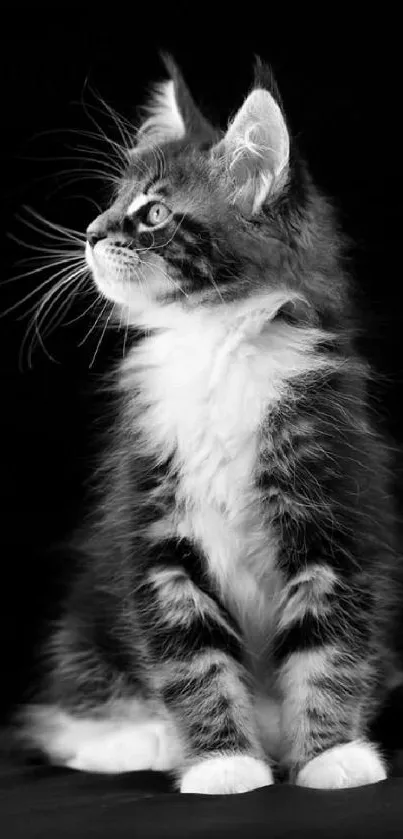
[236, 605]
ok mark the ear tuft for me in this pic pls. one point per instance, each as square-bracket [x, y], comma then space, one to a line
[164, 121]
[255, 151]
[264, 79]
[172, 113]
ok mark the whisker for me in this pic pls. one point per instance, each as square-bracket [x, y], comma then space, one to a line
[104, 160]
[87, 198]
[126, 332]
[68, 250]
[76, 287]
[32, 328]
[36, 337]
[83, 175]
[122, 120]
[36, 247]
[80, 344]
[99, 155]
[123, 126]
[80, 132]
[54, 294]
[102, 335]
[32, 293]
[68, 232]
[118, 148]
[88, 309]
[50, 298]
[30, 352]
[72, 260]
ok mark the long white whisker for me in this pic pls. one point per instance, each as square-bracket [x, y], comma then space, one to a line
[124, 127]
[78, 179]
[126, 332]
[80, 176]
[94, 324]
[35, 247]
[60, 230]
[80, 132]
[103, 160]
[32, 328]
[82, 314]
[118, 149]
[33, 292]
[63, 309]
[62, 252]
[54, 294]
[87, 198]
[75, 260]
[87, 171]
[102, 335]
[119, 118]
[100, 157]
[50, 298]
[53, 322]
[30, 349]
[68, 251]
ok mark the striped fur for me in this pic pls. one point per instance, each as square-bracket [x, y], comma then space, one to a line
[238, 599]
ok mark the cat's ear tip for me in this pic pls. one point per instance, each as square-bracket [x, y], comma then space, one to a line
[257, 61]
[264, 77]
[169, 63]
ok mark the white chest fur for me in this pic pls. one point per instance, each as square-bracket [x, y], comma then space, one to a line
[206, 381]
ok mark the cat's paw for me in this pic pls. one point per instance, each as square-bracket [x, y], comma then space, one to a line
[226, 774]
[349, 765]
[104, 745]
[133, 750]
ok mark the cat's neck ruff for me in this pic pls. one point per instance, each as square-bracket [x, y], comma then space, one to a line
[252, 312]
[201, 387]
[190, 353]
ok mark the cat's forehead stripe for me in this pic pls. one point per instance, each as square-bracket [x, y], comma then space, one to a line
[145, 197]
[137, 202]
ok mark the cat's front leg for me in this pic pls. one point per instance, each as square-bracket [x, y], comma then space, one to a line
[198, 672]
[321, 476]
[324, 673]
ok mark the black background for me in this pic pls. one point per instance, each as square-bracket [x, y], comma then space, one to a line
[340, 85]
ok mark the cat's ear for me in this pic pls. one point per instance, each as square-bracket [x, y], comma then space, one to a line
[172, 113]
[255, 151]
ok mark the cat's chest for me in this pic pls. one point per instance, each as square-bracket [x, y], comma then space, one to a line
[202, 385]
[205, 400]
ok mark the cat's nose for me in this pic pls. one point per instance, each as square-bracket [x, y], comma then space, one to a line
[95, 234]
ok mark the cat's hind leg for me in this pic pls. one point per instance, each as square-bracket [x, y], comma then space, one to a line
[92, 713]
[130, 735]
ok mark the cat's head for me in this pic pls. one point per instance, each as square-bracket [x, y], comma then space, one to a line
[203, 216]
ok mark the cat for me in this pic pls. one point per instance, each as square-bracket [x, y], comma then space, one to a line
[236, 604]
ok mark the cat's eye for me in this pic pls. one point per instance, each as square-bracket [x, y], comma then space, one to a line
[156, 213]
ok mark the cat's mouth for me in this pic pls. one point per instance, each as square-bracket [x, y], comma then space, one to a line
[125, 276]
[105, 253]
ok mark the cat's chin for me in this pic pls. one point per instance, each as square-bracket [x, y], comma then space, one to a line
[133, 305]
[126, 294]
[122, 283]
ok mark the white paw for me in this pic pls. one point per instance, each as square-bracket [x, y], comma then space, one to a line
[133, 749]
[106, 745]
[226, 774]
[350, 765]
